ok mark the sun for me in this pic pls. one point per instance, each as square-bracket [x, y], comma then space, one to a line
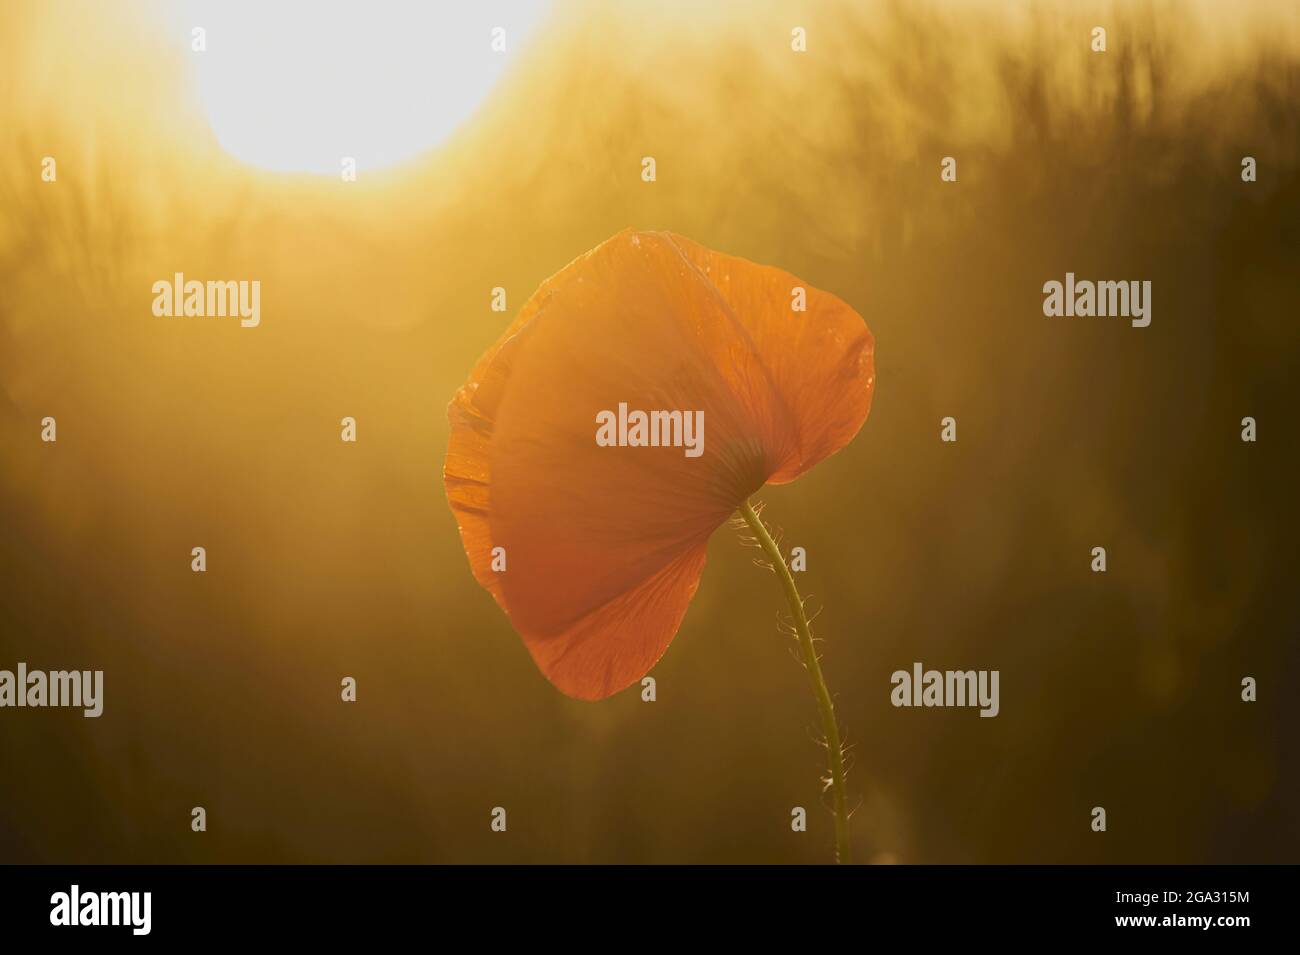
[298, 86]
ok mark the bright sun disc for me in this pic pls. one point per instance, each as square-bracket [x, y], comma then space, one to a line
[298, 86]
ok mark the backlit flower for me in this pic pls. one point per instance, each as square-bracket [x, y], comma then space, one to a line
[566, 455]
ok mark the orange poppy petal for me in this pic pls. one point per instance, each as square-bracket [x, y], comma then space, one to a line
[615, 645]
[821, 360]
[605, 545]
[465, 470]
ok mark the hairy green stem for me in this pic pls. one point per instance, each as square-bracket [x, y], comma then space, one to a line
[830, 728]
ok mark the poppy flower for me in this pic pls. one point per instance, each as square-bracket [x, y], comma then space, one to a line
[568, 468]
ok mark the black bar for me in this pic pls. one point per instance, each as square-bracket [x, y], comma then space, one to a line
[605, 905]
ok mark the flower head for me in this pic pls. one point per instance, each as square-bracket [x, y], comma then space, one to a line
[641, 395]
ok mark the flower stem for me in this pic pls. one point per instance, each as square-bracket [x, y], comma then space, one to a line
[830, 728]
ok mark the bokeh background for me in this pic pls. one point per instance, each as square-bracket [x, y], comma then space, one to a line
[328, 559]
